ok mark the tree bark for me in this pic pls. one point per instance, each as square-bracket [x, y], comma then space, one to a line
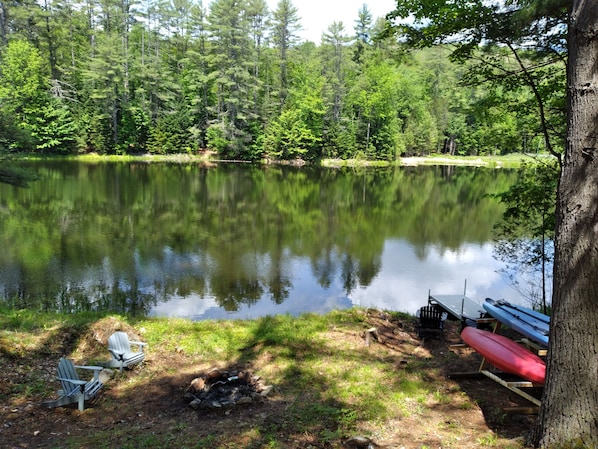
[569, 412]
[3, 36]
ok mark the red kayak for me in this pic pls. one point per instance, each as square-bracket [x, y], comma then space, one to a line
[505, 354]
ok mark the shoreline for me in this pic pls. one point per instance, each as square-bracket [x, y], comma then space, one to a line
[207, 158]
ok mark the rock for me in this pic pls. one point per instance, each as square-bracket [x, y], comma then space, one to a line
[105, 375]
[224, 389]
[197, 384]
[215, 373]
[227, 404]
[189, 397]
[266, 390]
[244, 400]
[358, 442]
[245, 376]
[204, 405]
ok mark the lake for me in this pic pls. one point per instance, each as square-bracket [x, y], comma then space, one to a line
[243, 241]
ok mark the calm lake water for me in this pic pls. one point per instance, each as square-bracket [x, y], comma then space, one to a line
[243, 241]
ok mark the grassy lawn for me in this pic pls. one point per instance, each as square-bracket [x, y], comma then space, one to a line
[330, 389]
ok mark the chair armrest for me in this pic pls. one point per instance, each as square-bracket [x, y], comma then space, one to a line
[138, 343]
[72, 381]
[118, 355]
[96, 370]
[90, 367]
[80, 383]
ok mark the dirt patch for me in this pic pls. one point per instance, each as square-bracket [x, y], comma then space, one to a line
[455, 366]
[132, 405]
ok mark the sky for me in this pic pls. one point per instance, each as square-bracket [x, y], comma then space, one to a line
[317, 15]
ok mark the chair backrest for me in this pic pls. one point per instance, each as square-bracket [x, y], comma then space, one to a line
[430, 317]
[119, 341]
[66, 370]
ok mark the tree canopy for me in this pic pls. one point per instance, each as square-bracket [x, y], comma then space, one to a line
[125, 77]
[517, 45]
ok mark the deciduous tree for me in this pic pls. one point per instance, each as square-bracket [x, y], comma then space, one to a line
[569, 412]
[515, 27]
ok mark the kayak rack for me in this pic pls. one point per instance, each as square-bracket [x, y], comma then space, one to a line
[509, 381]
[514, 386]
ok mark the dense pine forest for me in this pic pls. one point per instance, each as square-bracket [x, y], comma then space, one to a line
[231, 76]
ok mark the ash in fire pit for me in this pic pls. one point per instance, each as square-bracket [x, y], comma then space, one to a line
[219, 389]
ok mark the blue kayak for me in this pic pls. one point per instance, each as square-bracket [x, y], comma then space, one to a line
[530, 323]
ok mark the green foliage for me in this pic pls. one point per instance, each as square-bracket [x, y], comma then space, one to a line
[215, 138]
[93, 132]
[23, 86]
[168, 135]
[23, 93]
[42, 123]
[54, 129]
[531, 201]
[526, 233]
[495, 39]
[288, 137]
[12, 136]
[114, 82]
[134, 129]
[375, 97]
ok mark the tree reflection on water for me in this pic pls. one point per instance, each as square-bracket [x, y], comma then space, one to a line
[239, 241]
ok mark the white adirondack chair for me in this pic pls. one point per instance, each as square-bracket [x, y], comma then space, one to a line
[123, 355]
[73, 388]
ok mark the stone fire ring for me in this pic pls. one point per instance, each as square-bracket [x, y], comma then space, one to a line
[223, 390]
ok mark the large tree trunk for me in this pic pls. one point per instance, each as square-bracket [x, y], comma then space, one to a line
[569, 412]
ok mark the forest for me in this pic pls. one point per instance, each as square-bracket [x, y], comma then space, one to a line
[232, 77]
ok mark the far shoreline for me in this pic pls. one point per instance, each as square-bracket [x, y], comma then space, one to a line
[514, 160]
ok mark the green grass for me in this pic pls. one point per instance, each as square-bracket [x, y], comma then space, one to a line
[331, 384]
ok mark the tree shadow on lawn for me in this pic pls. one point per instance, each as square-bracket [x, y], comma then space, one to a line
[328, 387]
[505, 412]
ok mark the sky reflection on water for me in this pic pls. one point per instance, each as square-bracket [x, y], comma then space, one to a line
[401, 285]
[178, 240]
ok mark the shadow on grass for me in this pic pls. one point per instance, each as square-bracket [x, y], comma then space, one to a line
[509, 415]
[328, 385]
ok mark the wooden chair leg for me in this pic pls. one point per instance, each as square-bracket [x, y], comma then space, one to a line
[81, 398]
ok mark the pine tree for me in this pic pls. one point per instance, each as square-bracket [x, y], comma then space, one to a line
[231, 59]
[338, 136]
[285, 25]
[363, 32]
